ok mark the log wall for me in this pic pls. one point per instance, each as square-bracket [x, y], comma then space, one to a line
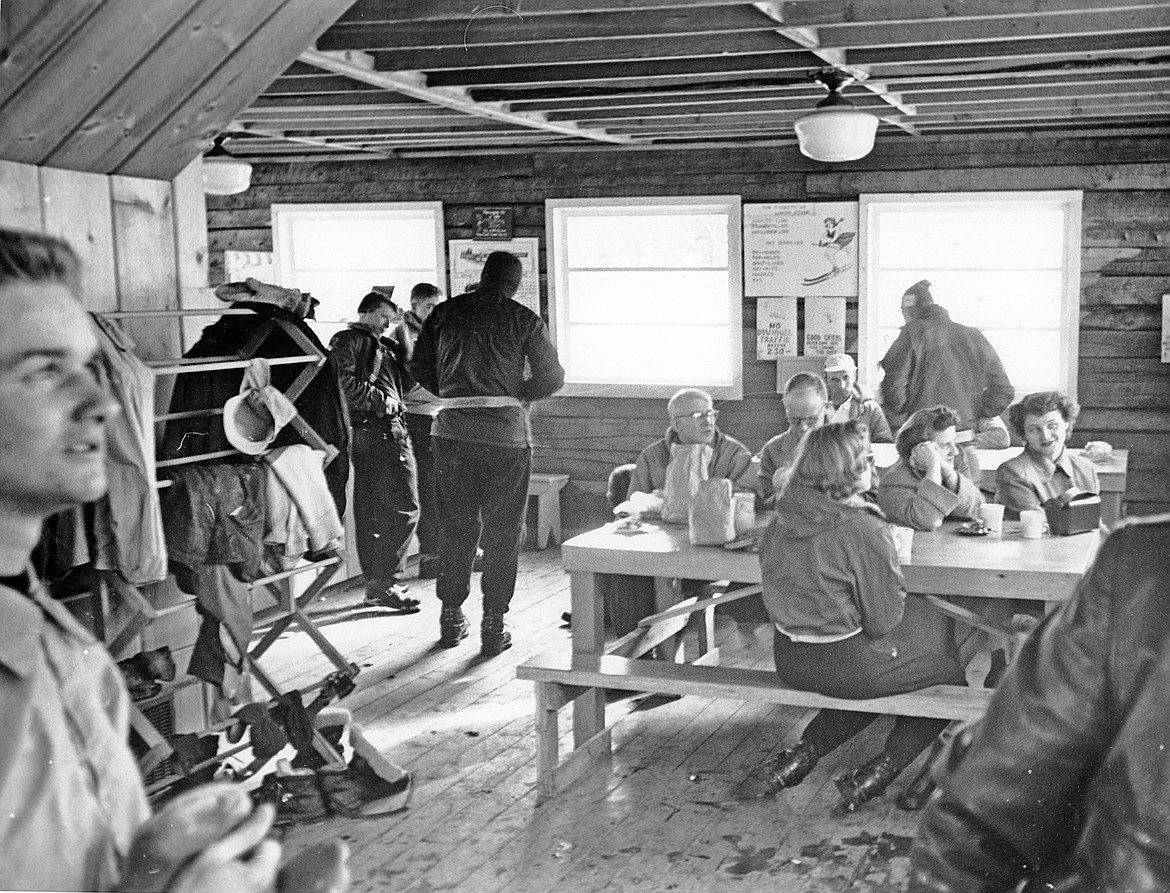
[1123, 387]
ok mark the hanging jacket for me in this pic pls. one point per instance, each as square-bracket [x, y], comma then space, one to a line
[321, 404]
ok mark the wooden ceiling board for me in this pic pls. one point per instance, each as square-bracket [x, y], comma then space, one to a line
[81, 73]
[229, 88]
[33, 41]
[161, 83]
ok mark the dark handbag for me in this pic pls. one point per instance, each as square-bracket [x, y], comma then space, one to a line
[1073, 511]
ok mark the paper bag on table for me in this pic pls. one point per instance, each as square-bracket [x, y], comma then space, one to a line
[712, 515]
[686, 470]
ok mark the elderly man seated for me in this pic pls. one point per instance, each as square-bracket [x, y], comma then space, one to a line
[692, 422]
[849, 401]
[805, 403]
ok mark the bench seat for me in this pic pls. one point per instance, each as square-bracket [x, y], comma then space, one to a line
[561, 678]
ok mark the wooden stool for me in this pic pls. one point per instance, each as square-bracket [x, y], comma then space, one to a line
[547, 490]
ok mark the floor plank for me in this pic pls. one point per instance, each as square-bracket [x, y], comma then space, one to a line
[661, 820]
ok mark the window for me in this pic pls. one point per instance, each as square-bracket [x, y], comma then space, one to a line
[1006, 263]
[339, 252]
[646, 295]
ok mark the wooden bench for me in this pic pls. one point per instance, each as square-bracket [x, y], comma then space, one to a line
[547, 490]
[562, 678]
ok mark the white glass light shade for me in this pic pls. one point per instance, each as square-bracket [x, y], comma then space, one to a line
[223, 175]
[836, 133]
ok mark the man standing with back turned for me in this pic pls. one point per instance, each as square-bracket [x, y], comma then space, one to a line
[472, 352]
[937, 361]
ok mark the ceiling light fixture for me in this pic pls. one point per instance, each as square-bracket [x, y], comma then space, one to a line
[835, 130]
[223, 174]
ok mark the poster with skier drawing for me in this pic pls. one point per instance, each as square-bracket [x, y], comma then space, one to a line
[800, 250]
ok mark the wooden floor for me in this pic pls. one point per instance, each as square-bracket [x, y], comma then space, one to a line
[661, 820]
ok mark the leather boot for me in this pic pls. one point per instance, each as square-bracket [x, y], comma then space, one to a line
[493, 638]
[785, 770]
[863, 784]
[453, 627]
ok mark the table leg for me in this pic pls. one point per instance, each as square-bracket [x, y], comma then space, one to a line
[667, 594]
[1111, 508]
[586, 600]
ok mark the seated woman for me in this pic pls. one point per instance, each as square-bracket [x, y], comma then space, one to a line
[1045, 468]
[835, 593]
[932, 478]
[933, 481]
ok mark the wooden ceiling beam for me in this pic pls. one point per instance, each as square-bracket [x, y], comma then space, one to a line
[505, 28]
[361, 68]
[978, 30]
[625, 49]
[712, 68]
[464, 10]
[1002, 51]
[816, 13]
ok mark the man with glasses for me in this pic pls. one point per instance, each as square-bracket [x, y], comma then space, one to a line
[692, 422]
[806, 401]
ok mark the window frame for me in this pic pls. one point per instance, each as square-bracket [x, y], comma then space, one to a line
[559, 210]
[1070, 201]
[283, 215]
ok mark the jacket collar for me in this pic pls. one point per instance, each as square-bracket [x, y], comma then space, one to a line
[22, 617]
[671, 438]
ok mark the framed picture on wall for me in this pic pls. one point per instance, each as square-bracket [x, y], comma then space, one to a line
[493, 223]
[467, 257]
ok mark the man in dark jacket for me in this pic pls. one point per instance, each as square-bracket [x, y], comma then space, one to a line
[935, 361]
[1066, 782]
[373, 376]
[473, 352]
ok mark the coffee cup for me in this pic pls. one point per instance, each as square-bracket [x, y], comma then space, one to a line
[903, 540]
[991, 514]
[1032, 524]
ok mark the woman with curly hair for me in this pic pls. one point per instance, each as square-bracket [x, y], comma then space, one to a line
[835, 593]
[1046, 468]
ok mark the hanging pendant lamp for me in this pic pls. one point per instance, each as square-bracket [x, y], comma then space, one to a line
[835, 131]
[223, 174]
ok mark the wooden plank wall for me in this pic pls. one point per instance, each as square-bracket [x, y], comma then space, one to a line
[144, 247]
[1123, 387]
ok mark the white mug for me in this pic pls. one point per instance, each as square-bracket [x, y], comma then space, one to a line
[903, 540]
[991, 513]
[1032, 524]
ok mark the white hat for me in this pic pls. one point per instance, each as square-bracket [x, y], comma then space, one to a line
[249, 426]
[840, 362]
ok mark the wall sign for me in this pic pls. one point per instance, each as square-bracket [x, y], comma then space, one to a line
[467, 257]
[493, 223]
[775, 328]
[801, 249]
[824, 326]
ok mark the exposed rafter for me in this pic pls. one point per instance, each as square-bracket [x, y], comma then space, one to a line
[360, 67]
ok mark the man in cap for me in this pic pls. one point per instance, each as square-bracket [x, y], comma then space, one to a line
[488, 357]
[936, 361]
[848, 401]
[373, 376]
[73, 812]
